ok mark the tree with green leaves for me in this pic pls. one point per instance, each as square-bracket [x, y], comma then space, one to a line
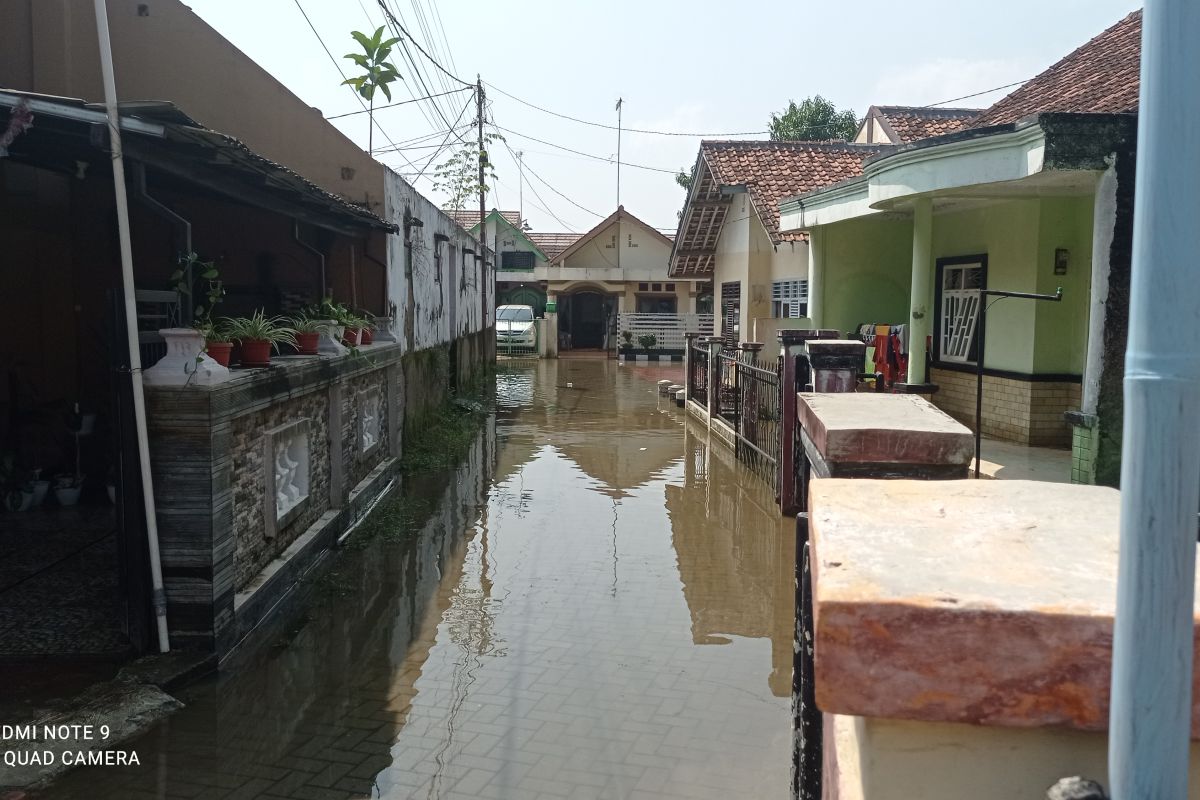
[458, 175]
[684, 179]
[815, 119]
[379, 72]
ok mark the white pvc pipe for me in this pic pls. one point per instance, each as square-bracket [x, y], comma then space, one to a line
[135, 359]
[1160, 473]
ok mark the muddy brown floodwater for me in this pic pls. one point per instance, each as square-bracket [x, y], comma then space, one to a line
[598, 605]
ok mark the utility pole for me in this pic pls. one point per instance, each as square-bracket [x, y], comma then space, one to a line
[620, 102]
[482, 205]
[521, 189]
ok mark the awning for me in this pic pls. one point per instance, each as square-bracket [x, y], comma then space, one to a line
[164, 138]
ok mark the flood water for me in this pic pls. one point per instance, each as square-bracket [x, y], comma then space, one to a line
[598, 606]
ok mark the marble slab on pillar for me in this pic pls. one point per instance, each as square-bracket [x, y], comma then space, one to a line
[986, 602]
[883, 428]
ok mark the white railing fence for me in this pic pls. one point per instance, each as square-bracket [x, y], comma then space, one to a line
[667, 329]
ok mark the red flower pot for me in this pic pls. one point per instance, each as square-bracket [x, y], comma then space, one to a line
[307, 343]
[256, 353]
[350, 335]
[366, 336]
[219, 352]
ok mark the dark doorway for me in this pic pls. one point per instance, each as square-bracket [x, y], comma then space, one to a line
[585, 320]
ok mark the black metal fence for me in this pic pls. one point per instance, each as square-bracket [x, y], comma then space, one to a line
[759, 421]
[698, 373]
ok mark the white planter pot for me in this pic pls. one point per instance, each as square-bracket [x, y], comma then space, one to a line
[68, 496]
[186, 363]
[331, 340]
[40, 490]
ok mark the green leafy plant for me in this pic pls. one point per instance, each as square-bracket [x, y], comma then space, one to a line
[378, 73]
[329, 309]
[628, 337]
[303, 323]
[458, 175]
[258, 327]
[190, 272]
[648, 341]
[813, 119]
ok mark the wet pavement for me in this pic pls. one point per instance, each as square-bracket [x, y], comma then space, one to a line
[598, 606]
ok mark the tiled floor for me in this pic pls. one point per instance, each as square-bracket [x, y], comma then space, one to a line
[599, 606]
[1017, 462]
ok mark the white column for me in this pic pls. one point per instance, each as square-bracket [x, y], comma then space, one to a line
[920, 317]
[1150, 722]
[1104, 220]
[816, 275]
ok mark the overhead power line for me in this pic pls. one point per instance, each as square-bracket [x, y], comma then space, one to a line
[614, 127]
[977, 94]
[388, 13]
[608, 160]
[401, 103]
[338, 66]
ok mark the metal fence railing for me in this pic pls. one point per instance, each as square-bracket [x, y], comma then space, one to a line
[759, 419]
[667, 329]
[698, 373]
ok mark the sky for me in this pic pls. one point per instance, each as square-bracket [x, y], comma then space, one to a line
[692, 67]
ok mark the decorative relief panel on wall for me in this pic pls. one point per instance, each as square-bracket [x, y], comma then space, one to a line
[286, 471]
[370, 420]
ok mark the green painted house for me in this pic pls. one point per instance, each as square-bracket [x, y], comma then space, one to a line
[1035, 193]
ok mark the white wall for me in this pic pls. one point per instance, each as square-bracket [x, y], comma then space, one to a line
[639, 254]
[745, 254]
[431, 301]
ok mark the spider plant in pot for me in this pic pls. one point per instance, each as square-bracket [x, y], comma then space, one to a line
[308, 332]
[352, 335]
[258, 334]
[366, 334]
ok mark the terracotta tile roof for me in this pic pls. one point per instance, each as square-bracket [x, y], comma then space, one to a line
[553, 243]
[1101, 77]
[469, 217]
[911, 123]
[770, 171]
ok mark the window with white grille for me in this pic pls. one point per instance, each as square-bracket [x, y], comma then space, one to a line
[789, 299]
[958, 313]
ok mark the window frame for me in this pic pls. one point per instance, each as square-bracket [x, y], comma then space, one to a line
[979, 260]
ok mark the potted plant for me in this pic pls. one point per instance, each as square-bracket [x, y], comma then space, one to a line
[308, 332]
[354, 324]
[67, 488]
[258, 334]
[366, 333]
[191, 268]
[18, 489]
[332, 313]
[648, 341]
[627, 344]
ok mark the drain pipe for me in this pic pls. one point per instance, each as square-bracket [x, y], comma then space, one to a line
[296, 235]
[1150, 722]
[135, 358]
[158, 207]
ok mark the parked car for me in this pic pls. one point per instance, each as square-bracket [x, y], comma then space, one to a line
[515, 329]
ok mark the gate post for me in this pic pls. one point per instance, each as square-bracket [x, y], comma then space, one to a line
[791, 347]
[714, 376]
[746, 423]
[689, 338]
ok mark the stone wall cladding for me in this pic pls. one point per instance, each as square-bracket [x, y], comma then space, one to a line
[1084, 441]
[357, 465]
[253, 549]
[1014, 410]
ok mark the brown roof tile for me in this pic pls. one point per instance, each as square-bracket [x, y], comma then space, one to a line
[911, 123]
[469, 217]
[773, 170]
[1101, 77]
[553, 243]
